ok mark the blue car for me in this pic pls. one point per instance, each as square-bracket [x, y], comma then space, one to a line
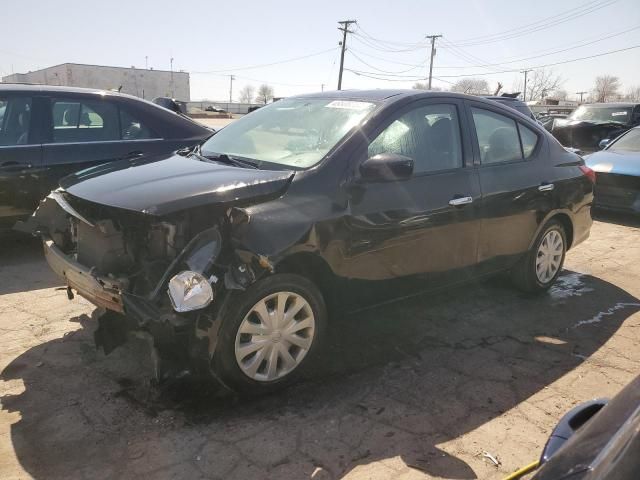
[617, 169]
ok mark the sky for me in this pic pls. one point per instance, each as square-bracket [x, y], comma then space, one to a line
[215, 39]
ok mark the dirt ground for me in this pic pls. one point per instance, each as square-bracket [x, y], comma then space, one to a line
[416, 389]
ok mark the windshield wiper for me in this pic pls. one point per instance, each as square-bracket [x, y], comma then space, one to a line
[230, 160]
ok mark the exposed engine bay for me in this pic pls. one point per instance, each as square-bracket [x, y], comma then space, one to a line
[162, 273]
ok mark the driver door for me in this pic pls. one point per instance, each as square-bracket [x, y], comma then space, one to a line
[425, 225]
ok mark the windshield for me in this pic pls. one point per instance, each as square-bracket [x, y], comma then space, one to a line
[630, 142]
[295, 132]
[602, 114]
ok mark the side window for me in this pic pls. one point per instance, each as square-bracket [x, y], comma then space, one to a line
[133, 129]
[430, 135]
[529, 140]
[497, 137]
[15, 121]
[84, 121]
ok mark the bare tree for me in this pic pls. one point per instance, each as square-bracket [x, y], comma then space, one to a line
[541, 83]
[265, 93]
[246, 93]
[424, 86]
[633, 93]
[471, 86]
[606, 88]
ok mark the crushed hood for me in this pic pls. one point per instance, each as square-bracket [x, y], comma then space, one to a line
[585, 135]
[166, 184]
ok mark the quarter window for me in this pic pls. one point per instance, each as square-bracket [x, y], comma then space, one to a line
[88, 121]
[529, 140]
[497, 137]
[133, 129]
[15, 121]
[430, 135]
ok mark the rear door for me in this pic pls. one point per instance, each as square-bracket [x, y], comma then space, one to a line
[20, 157]
[425, 225]
[86, 131]
[516, 183]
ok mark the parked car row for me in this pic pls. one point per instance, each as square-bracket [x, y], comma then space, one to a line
[234, 254]
[49, 132]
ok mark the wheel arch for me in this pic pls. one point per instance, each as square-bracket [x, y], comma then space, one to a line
[565, 219]
[313, 267]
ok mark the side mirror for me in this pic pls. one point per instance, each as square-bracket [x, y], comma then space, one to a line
[603, 143]
[386, 167]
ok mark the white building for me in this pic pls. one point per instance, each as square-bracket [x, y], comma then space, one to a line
[134, 81]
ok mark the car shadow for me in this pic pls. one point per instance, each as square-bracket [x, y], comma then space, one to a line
[21, 260]
[393, 382]
[618, 218]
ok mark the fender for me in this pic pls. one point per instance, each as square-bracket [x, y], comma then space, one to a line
[549, 216]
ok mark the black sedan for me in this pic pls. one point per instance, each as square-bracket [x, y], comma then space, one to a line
[49, 132]
[237, 253]
[617, 170]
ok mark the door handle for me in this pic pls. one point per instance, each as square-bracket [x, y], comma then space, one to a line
[456, 202]
[134, 154]
[546, 187]
[15, 166]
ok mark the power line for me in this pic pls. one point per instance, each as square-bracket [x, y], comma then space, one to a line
[546, 54]
[359, 52]
[252, 67]
[542, 24]
[390, 42]
[414, 67]
[380, 77]
[370, 44]
[546, 65]
[441, 77]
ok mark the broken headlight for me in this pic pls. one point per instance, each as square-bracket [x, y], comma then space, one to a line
[189, 291]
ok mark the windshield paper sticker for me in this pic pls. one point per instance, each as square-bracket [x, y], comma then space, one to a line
[349, 105]
[617, 114]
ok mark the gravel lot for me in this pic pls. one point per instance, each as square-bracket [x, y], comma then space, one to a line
[416, 389]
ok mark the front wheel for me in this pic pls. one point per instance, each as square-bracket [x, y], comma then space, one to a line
[270, 333]
[540, 267]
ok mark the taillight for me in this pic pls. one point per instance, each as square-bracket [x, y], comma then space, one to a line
[590, 174]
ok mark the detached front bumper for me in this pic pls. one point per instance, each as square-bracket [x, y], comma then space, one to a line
[102, 291]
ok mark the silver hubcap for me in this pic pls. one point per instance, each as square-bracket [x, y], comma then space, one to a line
[275, 336]
[549, 256]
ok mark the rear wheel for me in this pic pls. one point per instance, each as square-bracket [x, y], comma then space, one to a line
[270, 333]
[540, 267]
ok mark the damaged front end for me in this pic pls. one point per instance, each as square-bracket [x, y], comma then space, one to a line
[166, 277]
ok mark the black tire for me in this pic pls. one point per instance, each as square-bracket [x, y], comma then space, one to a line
[224, 363]
[524, 273]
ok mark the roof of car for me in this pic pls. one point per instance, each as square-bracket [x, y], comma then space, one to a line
[33, 87]
[612, 104]
[383, 94]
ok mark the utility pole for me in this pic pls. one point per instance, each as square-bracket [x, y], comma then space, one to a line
[146, 62]
[581, 94]
[231, 79]
[171, 64]
[344, 29]
[524, 95]
[433, 54]
[322, 87]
